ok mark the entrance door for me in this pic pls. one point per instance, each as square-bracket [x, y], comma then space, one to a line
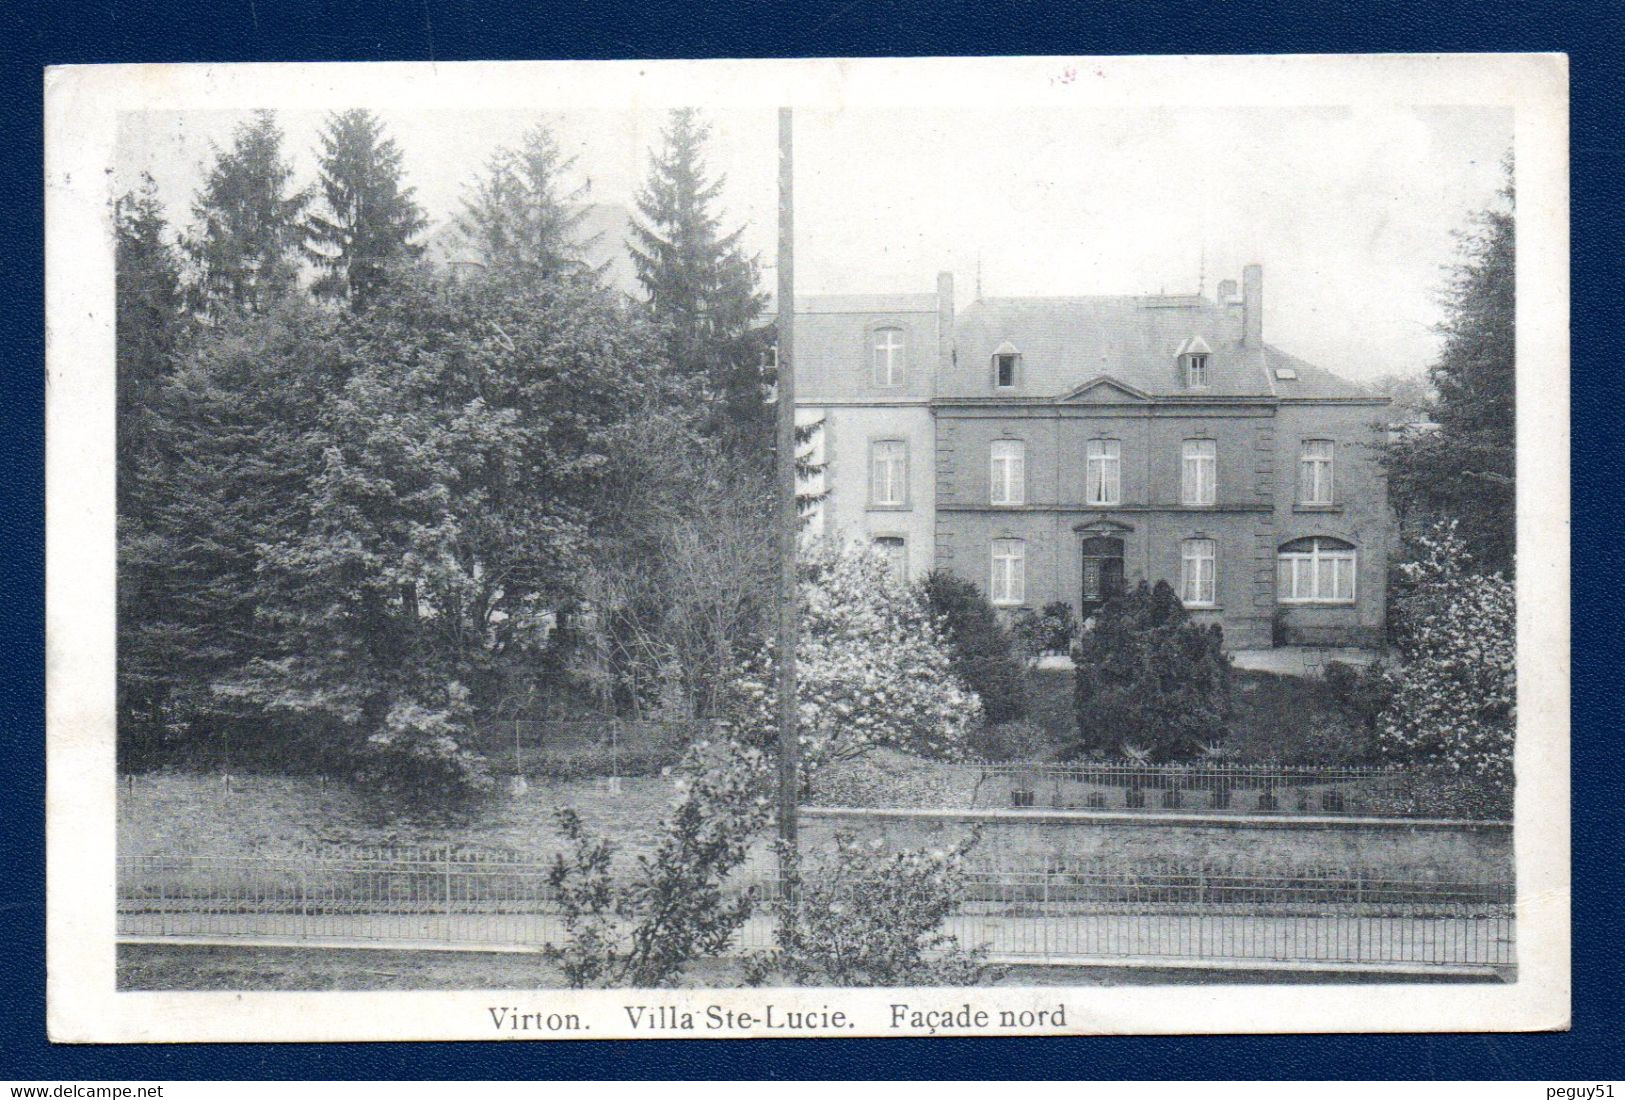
[1102, 572]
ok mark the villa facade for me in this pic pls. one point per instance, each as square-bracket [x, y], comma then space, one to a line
[1062, 449]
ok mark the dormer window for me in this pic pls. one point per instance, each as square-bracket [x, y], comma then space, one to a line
[1193, 361]
[1006, 366]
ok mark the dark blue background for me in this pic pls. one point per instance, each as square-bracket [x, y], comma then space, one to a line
[36, 34]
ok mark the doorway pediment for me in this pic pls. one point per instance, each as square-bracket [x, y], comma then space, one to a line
[1094, 527]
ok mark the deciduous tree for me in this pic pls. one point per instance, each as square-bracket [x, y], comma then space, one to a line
[1452, 703]
[460, 454]
[872, 666]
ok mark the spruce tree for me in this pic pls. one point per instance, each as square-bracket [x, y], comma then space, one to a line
[703, 288]
[1466, 470]
[369, 216]
[522, 218]
[149, 334]
[245, 250]
[148, 319]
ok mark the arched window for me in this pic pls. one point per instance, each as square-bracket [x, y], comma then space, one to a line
[890, 349]
[1316, 570]
[1198, 559]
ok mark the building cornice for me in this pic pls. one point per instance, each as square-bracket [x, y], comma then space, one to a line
[1038, 410]
[1105, 513]
[808, 402]
[1374, 402]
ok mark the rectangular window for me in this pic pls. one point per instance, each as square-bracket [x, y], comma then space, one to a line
[1105, 472]
[1196, 572]
[894, 550]
[1198, 472]
[889, 346]
[1196, 371]
[1004, 369]
[1008, 473]
[889, 476]
[1315, 472]
[1316, 570]
[1009, 582]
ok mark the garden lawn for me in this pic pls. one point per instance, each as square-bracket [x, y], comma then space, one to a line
[191, 813]
[1278, 719]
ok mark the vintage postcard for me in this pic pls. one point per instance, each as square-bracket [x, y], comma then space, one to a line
[807, 548]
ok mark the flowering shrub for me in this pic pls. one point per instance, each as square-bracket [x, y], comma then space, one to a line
[1453, 705]
[673, 909]
[870, 917]
[872, 668]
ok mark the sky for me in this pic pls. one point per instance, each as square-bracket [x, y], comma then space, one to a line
[1350, 211]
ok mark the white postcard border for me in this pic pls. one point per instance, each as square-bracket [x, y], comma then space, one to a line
[82, 106]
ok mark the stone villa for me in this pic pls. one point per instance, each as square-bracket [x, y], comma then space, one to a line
[1063, 448]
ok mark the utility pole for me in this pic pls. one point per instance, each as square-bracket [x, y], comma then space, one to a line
[789, 518]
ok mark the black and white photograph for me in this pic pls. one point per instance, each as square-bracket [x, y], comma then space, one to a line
[741, 549]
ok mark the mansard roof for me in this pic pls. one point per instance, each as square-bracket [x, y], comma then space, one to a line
[1136, 341]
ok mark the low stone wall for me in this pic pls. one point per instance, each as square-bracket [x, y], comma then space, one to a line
[1434, 850]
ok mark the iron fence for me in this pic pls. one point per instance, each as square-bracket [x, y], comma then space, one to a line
[1205, 788]
[1057, 912]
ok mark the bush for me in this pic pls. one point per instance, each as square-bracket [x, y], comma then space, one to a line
[1362, 693]
[1453, 702]
[1052, 630]
[873, 669]
[1012, 741]
[890, 779]
[873, 918]
[1149, 681]
[420, 752]
[981, 652]
[644, 932]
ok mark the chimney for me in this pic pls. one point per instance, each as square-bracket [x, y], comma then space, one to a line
[1226, 293]
[1252, 306]
[945, 320]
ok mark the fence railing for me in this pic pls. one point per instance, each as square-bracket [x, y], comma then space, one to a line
[1051, 912]
[1218, 788]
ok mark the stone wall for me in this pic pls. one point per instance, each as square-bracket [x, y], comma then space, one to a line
[1433, 850]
